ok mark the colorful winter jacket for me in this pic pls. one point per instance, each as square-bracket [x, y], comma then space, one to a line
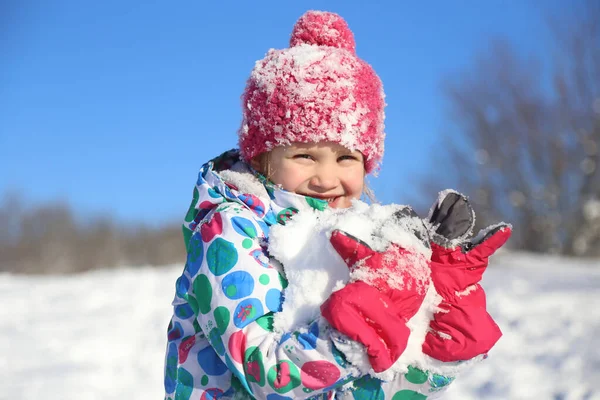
[220, 340]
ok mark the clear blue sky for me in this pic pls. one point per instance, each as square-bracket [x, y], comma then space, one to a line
[114, 105]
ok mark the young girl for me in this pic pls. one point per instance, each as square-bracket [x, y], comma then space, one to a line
[312, 129]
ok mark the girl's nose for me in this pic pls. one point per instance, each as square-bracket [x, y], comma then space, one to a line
[325, 179]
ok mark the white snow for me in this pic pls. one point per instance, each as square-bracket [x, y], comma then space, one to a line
[101, 335]
[313, 267]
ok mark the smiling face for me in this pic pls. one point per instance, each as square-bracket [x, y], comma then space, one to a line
[322, 170]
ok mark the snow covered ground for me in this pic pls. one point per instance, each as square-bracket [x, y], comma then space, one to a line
[101, 335]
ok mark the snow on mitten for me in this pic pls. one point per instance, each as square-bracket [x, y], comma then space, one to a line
[385, 290]
[462, 329]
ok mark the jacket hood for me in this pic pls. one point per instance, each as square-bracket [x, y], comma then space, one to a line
[227, 178]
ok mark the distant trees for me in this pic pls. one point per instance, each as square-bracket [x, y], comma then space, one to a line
[524, 140]
[48, 238]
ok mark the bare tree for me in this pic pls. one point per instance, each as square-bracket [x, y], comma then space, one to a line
[524, 140]
[49, 239]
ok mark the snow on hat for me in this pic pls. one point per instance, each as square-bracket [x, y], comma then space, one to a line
[315, 90]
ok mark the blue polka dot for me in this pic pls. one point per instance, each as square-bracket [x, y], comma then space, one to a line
[247, 311]
[171, 368]
[308, 340]
[244, 227]
[210, 362]
[229, 393]
[237, 285]
[184, 311]
[264, 227]
[213, 193]
[438, 381]
[273, 300]
[260, 257]
[314, 329]
[229, 193]
[286, 336]
[182, 286]
[270, 218]
[275, 396]
[195, 254]
[200, 181]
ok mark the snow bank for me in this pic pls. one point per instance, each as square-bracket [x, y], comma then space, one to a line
[101, 335]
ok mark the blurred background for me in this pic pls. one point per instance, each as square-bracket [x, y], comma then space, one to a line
[108, 110]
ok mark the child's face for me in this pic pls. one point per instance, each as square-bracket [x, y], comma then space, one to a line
[323, 170]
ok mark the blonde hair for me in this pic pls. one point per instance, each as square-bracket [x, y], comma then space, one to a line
[262, 165]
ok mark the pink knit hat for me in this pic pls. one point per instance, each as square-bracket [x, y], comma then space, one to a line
[316, 90]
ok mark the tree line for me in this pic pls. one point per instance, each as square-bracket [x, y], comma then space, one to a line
[522, 136]
[51, 238]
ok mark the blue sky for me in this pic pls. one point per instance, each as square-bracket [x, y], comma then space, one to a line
[114, 105]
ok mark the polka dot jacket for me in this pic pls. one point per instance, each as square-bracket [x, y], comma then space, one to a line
[220, 341]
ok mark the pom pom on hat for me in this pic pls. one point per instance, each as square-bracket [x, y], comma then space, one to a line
[323, 29]
[316, 90]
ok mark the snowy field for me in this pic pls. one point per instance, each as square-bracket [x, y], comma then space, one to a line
[101, 335]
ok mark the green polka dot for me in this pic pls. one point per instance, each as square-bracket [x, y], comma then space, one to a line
[408, 395]
[284, 376]
[266, 322]
[171, 366]
[286, 214]
[339, 357]
[222, 316]
[254, 367]
[203, 294]
[283, 281]
[247, 243]
[215, 339]
[187, 235]
[415, 375]
[317, 204]
[221, 256]
[197, 328]
[264, 279]
[204, 380]
[236, 384]
[368, 388]
[194, 304]
[231, 291]
[185, 384]
[193, 211]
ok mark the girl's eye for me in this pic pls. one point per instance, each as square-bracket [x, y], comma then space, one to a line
[347, 157]
[303, 156]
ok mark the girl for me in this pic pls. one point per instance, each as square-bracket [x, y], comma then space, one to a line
[312, 129]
